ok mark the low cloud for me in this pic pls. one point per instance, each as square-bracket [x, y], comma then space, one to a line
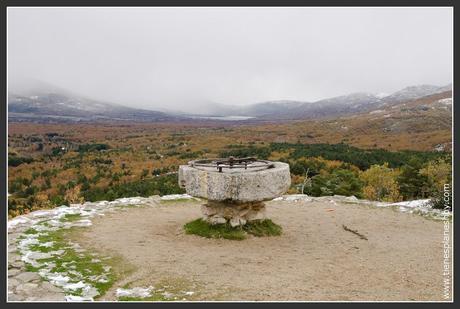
[173, 57]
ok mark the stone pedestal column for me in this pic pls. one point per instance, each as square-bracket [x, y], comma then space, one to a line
[235, 213]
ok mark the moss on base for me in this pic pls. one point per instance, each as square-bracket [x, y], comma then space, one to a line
[257, 228]
[262, 228]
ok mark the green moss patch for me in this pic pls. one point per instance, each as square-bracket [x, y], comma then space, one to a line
[257, 228]
[262, 228]
[71, 218]
[31, 231]
[73, 262]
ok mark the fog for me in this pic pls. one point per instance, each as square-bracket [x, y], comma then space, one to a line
[176, 57]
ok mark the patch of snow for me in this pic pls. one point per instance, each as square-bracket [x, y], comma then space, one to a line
[294, 198]
[130, 200]
[167, 294]
[74, 298]
[447, 101]
[135, 292]
[55, 278]
[42, 228]
[82, 223]
[30, 239]
[19, 221]
[412, 204]
[172, 197]
[75, 286]
[381, 95]
[41, 213]
[48, 244]
[439, 147]
[421, 207]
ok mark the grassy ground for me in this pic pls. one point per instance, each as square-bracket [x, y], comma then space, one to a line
[78, 265]
[257, 228]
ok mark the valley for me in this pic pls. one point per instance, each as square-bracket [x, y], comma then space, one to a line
[55, 163]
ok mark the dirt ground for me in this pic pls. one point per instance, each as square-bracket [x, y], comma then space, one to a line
[315, 259]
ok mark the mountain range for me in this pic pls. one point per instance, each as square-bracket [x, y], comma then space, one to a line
[51, 104]
[331, 107]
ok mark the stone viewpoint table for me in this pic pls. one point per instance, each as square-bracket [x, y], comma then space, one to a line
[235, 188]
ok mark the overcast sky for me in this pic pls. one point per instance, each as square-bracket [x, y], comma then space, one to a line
[173, 57]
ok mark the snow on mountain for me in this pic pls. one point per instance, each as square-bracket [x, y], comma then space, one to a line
[59, 107]
[414, 92]
[45, 101]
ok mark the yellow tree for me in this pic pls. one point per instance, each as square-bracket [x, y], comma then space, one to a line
[73, 195]
[380, 183]
[439, 172]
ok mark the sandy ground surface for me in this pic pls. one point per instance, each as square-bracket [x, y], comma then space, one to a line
[315, 259]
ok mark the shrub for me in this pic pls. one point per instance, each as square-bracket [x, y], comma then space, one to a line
[102, 161]
[190, 155]
[16, 161]
[439, 201]
[92, 147]
[57, 151]
[58, 200]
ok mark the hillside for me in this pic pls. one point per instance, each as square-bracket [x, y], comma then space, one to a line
[330, 107]
[421, 124]
[58, 107]
[346, 104]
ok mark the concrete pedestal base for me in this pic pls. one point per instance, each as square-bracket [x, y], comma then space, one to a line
[234, 213]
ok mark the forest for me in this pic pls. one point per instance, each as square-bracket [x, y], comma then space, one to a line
[49, 169]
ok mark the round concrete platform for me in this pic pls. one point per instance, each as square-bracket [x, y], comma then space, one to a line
[238, 186]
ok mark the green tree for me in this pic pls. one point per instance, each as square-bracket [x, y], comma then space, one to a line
[412, 184]
[341, 182]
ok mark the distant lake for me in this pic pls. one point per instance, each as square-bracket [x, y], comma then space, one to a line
[225, 118]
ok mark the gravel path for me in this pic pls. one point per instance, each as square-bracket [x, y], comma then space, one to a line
[320, 256]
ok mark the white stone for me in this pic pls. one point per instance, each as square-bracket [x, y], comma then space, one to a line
[216, 219]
